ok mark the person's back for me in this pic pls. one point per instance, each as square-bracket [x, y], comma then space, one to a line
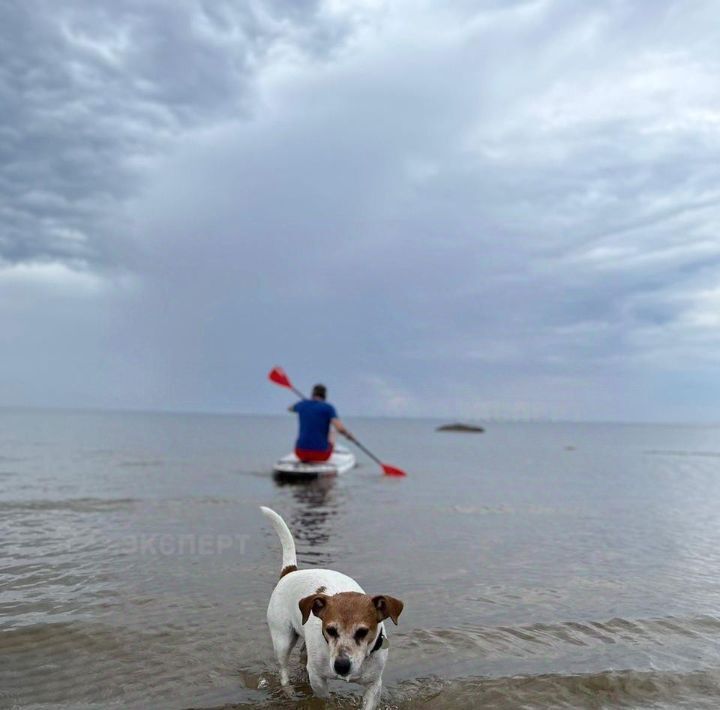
[316, 417]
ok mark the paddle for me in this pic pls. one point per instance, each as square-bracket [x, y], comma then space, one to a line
[387, 470]
[279, 377]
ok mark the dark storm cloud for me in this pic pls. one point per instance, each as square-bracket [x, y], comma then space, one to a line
[471, 208]
[92, 92]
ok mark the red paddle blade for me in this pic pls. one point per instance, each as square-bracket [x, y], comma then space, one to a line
[392, 471]
[278, 376]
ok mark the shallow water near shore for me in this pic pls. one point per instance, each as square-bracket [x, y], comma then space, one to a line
[542, 565]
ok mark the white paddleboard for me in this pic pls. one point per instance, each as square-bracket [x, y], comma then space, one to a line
[341, 461]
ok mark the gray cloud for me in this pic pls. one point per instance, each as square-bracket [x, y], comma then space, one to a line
[494, 208]
[92, 93]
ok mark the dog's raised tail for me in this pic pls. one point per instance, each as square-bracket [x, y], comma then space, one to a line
[289, 560]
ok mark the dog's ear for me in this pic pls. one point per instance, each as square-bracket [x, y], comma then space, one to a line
[387, 607]
[315, 603]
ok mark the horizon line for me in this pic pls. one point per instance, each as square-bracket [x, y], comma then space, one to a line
[451, 419]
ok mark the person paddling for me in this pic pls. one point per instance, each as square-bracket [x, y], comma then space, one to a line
[316, 418]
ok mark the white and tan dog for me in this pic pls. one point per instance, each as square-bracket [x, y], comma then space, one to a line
[341, 625]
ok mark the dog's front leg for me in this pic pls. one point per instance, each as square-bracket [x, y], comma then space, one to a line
[372, 695]
[317, 683]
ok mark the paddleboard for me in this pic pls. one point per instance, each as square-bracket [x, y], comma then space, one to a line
[341, 461]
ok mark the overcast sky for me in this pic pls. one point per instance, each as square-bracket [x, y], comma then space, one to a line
[468, 209]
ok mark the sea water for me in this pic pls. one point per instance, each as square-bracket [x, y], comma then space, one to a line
[541, 565]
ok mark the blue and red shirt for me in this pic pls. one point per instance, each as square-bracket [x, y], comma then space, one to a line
[315, 417]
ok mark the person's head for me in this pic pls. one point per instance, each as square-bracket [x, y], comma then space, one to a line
[319, 392]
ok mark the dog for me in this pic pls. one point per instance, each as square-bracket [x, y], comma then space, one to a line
[342, 627]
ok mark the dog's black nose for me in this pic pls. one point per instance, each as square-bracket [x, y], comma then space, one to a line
[342, 665]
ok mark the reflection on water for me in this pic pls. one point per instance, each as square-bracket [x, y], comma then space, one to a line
[311, 516]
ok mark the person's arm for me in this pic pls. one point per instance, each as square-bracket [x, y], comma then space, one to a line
[291, 408]
[340, 427]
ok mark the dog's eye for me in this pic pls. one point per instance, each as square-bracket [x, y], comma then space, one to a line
[360, 634]
[332, 631]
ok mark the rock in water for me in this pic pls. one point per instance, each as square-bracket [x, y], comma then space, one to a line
[465, 428]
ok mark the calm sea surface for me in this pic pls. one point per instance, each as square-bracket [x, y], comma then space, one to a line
[541, 565]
